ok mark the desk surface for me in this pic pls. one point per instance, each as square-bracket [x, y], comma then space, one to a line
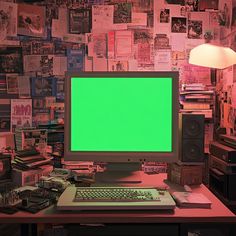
[217, 213]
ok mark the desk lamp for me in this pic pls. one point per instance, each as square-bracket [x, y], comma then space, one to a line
[212, 55]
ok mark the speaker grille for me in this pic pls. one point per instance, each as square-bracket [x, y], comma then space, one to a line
[193, 150]
[191, 137]
[193, 126]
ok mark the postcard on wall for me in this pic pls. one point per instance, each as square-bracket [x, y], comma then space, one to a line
[122, 12]
[12, 84]
[163, 60]
[123, 43]
[8, 21]
[79, 21]
[24, 86]
[59, 65]
[46, 65]
[144, 53]
[102, 18]
[75, 60]
[99, 45]
[11, 60]
[164, 15]
[161, 41]
[43, 86]
[32, 63]
[31, 20]
[21, 113]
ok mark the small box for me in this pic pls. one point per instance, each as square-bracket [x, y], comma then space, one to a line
[184, 174]
[29, 177]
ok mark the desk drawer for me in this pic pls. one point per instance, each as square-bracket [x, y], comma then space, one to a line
[125, 230]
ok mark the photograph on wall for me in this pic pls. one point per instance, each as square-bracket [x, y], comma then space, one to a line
[21, 113]
[194, 29]
[114, 65]
[164, 15]
[122, 12]
[43, 86]
[178, 25]
[99, 45]
[161, 41]
[192, 5]
[46, 65]
[31, 20]
[75, 60]
[80, 21]
[38, 103]
[5, 123]
[8, 21]
[11, 60]
[12, 84]
[143, 36]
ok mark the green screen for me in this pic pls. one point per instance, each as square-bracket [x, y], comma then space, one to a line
[121, 114]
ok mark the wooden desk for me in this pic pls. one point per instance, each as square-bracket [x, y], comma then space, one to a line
[219, 213]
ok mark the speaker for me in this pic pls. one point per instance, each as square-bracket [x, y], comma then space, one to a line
[191, 132]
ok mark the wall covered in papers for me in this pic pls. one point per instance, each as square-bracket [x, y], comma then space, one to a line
[39, 42]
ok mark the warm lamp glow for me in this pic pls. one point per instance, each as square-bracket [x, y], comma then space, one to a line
[212, 56]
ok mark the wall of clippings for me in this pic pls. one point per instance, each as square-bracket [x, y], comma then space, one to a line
[40, 41]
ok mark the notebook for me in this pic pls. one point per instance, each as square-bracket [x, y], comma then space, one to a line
[191, 200]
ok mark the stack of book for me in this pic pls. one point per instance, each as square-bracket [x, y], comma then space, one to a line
[55, 137]
[28, 138]
[29, 160]
[197, 99]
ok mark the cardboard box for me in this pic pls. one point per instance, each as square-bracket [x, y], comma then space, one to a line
[184, 174]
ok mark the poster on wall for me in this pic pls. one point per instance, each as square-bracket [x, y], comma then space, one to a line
[122, 13]
[43, 86]
[11, 60]
[31, 20]
[8, 21]
[21, 113]
[79, 21]
[12, 84]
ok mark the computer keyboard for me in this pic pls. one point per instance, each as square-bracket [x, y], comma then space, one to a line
[115, 198]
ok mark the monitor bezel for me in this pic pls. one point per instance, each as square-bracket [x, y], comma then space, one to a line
[118, 157]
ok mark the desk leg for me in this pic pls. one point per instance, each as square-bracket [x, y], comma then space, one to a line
[28, 229]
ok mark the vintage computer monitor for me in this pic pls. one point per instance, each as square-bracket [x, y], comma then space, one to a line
[123, 119]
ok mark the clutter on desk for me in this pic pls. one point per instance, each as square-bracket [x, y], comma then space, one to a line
[53, 183]
[154, 167]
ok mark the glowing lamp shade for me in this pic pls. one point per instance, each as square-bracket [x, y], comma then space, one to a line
[212, 56]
